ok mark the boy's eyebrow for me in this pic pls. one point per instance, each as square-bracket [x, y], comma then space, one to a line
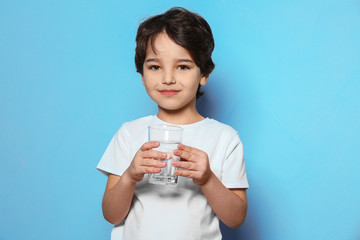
[179, 60]
[185, 60]
[152, 60]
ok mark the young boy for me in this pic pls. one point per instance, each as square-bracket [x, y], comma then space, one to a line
[173, 56]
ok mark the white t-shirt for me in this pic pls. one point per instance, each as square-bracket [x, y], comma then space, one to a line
[181, 211]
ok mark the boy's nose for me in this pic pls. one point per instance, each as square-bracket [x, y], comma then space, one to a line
[168, 78]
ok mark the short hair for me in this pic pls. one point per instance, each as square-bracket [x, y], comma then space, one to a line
[185, 28]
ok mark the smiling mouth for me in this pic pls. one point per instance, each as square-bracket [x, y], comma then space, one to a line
[170, 92]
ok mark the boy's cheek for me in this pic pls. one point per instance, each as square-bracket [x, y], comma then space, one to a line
[142, 80]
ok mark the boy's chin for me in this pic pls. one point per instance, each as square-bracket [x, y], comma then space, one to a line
[173, 109]
[169, 109]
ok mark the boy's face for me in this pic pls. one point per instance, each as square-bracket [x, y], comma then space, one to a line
[170, 75]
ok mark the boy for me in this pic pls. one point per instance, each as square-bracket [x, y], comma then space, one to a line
[173, 56]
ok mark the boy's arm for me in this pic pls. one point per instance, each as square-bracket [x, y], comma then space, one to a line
[117, 198]
[230, 205]
[119, 191]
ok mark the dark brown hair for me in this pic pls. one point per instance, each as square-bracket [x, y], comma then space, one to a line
[185, 28]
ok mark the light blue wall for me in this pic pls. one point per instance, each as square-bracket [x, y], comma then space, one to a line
[286, 77]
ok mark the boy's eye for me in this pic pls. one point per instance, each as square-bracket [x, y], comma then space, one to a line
[154, 67]
[183, 67]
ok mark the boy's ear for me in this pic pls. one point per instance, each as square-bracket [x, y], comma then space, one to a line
[204, 80]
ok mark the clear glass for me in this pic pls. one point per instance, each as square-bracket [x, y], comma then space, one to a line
[169, 137]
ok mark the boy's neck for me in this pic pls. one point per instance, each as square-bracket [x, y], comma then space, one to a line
[188, 116]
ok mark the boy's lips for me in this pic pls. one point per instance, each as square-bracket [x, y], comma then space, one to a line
[169, 92]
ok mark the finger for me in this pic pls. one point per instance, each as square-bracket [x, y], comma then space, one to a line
[184, 173]
[184, 155]
[154, 163]
[194, 152]
[184, 164]
[154, 154]
[152, 170]
[149, 145]
[188, 149]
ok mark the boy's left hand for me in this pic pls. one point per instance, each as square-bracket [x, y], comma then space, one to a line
[196, 163]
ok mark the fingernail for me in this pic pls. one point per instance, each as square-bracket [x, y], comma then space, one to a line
[164, 155]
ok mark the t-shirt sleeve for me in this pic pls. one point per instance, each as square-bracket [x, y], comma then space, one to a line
[116, 157]
[234, 173]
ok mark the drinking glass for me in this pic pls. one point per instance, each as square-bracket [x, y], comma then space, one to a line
[169, 137]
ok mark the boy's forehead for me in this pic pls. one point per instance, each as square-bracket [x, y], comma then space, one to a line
[162, 44]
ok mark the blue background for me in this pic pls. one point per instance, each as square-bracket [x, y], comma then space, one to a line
[286, 78]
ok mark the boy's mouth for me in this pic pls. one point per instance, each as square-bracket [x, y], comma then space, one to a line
[169, 92]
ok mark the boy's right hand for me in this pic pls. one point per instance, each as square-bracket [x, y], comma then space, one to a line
[145, 161]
